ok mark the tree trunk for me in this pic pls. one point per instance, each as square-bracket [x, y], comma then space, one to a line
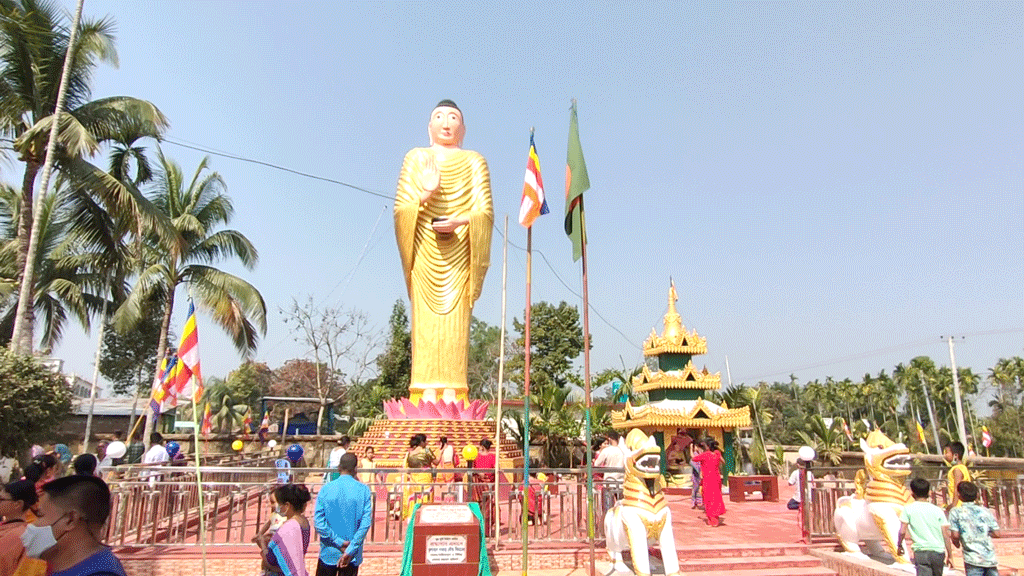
[28, 183]
[161, 351]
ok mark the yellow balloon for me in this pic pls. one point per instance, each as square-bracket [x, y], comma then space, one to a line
[237, 445]
[469, 452]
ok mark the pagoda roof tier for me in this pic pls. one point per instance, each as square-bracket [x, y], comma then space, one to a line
[674, 339]
[697, 413]
[687, 378]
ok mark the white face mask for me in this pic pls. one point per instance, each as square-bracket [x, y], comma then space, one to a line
[38, 539]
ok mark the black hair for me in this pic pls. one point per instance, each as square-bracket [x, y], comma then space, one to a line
[422, 438]
[702, 444]
[920, 487]
[118, 434]
[23, 491]
[613, 435]
[295, 494]
[87, 495]
[414, 441]
[957, 448]
[348, 463]
[33, 472]
[444, 440]
[156, 438]
[968, 491]
[45, 461]
[712, 444]
[486, 443]
[85, 464]
[447, 103]
[345, 440]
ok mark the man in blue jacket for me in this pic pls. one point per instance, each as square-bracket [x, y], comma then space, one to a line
[344, 512]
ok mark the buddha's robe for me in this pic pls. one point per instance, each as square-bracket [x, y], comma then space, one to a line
[444, 273]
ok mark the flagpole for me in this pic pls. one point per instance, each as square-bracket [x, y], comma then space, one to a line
[501, 381]
[586, 380]
[199, 477]
[526, 396]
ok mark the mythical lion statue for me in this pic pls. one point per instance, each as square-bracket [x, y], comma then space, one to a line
[873, 513]
[642, 516]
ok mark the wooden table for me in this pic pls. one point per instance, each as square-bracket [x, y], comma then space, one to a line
[741, 486]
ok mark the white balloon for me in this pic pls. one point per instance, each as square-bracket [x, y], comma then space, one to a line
[272, 444]
[116, 449]
[807, 453]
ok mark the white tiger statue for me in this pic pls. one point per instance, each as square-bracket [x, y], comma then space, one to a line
[873, 513]
[642, 517]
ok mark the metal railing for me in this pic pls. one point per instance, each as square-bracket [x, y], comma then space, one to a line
[159, 506]
[1003, 496]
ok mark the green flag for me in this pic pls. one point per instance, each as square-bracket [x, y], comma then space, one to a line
[576, 183]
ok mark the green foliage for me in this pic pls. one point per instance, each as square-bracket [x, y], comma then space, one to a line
[33, 402]
[127, 359]
[394, 365]
[828, 441]
[556, 341]
[484, 353]
[249, 382]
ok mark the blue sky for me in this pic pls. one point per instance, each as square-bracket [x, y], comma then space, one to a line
[833, 186]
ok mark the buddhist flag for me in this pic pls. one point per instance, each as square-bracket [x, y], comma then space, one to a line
[165, 395]
[265, 424]
[846, 430]
[190, 379]
[576, 183]
[920, 434]
[533, 203]
[207, 421]
[247, 423]
[986, 437]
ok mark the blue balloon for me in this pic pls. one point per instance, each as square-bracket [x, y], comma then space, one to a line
[294, 453]
[172, 449]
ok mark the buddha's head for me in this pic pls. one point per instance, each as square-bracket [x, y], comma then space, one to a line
[446, 128]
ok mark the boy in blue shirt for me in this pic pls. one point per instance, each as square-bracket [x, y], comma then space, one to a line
[929, 530]
[973, 527]
[343, 514]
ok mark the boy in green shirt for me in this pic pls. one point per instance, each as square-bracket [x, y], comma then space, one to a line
[929, 531]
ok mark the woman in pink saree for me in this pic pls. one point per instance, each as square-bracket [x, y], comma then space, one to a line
[711, 481]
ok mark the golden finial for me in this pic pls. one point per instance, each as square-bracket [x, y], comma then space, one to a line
[673, 321]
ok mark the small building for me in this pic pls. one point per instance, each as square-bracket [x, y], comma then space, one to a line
[676, 406]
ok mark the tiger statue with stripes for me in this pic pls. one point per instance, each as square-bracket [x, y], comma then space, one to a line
[642, 517]
[872, 514]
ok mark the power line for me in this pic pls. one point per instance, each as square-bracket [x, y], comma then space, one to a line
[279, 167]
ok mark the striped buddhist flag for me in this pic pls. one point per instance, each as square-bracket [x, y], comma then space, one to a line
[190, 379]
[846, 430]
[533, 204]
[577, 181]
[164, 392]
[207, 421]
[986, 437]
[264, 425]
[247, 423]
[920, 434]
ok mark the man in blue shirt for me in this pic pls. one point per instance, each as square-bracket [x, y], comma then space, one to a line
[344, 512]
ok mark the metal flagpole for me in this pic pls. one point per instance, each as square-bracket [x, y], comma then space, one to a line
[501, 383]
[586, 380]
[526, 396]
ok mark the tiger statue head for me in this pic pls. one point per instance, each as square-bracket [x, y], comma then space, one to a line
[643, 465]
[884, 459]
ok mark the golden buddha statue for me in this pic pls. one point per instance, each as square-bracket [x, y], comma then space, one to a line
[443, 220]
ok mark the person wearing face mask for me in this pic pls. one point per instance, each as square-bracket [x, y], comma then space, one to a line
[15, 500]
[68, 533]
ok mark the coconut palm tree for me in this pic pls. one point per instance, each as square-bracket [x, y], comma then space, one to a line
[69, 280]
[33, 50]
[196, 209]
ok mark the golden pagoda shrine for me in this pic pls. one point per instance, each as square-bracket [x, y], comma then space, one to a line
[675, 393]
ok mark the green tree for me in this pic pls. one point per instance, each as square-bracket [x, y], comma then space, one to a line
[827, 440]
[34, 401]
[127, 359]
[484, 354]
[34, 35]
[394, 364]
[250, 382]
[68, 278]
[556, 341]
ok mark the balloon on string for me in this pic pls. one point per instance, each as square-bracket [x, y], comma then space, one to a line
[294, 453]
[63, 452]
[469, 452]
[272, 444]
[172, 449]
[237, 445]
[116, 449]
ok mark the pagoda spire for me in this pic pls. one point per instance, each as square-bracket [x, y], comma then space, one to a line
[674, 329]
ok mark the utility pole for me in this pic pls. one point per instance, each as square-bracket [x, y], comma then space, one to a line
[931, 413]
[961, 429]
